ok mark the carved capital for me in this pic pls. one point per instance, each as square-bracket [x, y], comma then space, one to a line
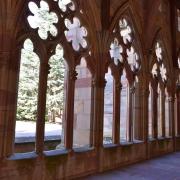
[178, 87]
[132, 90]
[171, 99]
[99, 83]
[73, 75]
[118, 86]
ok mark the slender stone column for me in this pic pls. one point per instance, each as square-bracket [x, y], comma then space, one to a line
[130, 113]
[178, 109]
[44, 69]
[171, 101]
[144, 115]
[139, 112]
[98, 86]
[163, 112]
[154, 114]
[69, 114]
[116, 114]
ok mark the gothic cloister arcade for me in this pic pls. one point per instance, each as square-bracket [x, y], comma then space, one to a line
[105, 73]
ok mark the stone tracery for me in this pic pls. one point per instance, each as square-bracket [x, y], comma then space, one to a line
[76, 34]
[115, 52]
[117, 49]
[43, 19]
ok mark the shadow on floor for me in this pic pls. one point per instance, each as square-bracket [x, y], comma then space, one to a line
[163, 168]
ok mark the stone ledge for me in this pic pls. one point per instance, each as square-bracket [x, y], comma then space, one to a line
[56, 152]
[21, 156]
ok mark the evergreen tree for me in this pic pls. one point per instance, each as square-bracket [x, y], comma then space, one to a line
[55, 90]
[29, 80]
[28, 83]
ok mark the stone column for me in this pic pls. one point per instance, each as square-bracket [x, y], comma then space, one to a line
[178, 108]
[11, 24]
[116, 114]
[4, 71]
[138, 112]
[69, 113]
[171, 101]
[130, 113]
[40, 127]
[98, 86]
[154, 113]
[8, 87]
[144, 115]
[163, 112]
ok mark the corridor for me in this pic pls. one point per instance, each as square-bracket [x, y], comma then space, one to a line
[162, 168]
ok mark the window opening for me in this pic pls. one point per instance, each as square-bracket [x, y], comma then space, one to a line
[26, 115]
[150, 111]
[108, 108]
[124, 108]
[159, 110]
[55, 101]
[82, 107]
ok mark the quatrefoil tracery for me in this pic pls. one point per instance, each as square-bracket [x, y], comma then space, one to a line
[76, 33]
[124, 43]
[115, 51]
[64, 4]
[42, 19]
[159, 67]
[46, 22]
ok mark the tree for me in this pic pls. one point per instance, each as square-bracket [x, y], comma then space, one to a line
[55, 90]
[28, 83]
[29, 80]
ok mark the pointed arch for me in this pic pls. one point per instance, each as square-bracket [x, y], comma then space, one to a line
[126, 10]
[27, 101]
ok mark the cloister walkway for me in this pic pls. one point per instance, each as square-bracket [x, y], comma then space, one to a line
[162, 168]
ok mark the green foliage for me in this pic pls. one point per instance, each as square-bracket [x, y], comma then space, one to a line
[29, 81]
[55, 90]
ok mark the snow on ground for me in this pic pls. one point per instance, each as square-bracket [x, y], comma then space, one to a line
[28, 129]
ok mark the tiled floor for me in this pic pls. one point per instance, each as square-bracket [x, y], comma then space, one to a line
[163, 168]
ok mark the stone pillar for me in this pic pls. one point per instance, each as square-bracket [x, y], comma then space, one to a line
[98, 86]
[154, 114]
[44, 69]
[138, 112]
[178, 109]
[4, 57]
[163, 112]
[130, 113]
[171, 101]
[11, 24]
[144, 125]
[8, 87]
[69, 113]
[116, 114]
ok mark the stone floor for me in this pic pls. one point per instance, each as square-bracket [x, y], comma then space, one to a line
[163, 168]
